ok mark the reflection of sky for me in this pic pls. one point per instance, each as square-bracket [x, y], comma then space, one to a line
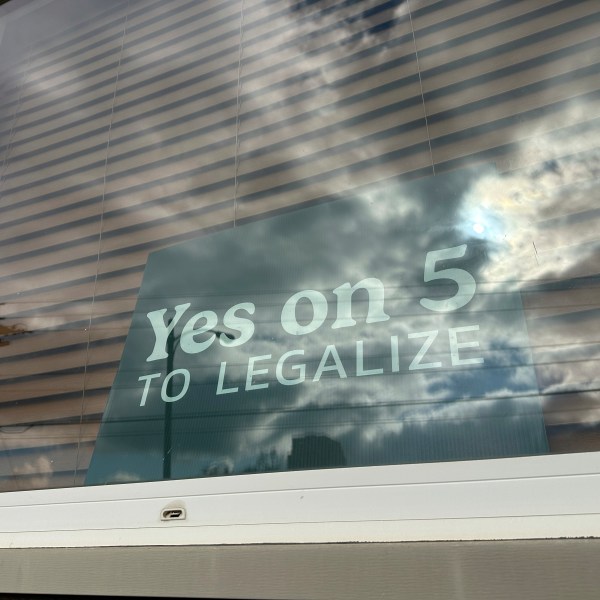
[530, 225]
[398, 417]
[451, 412]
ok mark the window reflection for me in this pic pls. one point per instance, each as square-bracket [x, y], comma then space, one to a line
[128, 129]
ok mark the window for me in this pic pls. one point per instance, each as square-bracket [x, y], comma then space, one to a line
[297, 237]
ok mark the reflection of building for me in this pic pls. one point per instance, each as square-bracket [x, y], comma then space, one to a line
[315, 452]
[139, 125]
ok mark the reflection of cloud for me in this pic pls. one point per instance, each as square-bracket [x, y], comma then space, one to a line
[527, 215]
[375, 418]
[331, 58]
[543, 228]
[124, 477]
[349, 24]
[42, 469]
[311, 109]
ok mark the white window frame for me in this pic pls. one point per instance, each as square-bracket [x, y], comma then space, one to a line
[549, 496]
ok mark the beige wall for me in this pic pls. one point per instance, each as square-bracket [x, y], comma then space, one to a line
[544, 570]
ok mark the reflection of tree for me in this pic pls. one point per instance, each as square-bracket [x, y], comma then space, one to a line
[266, 462]
[10, 330]
[308, 452]
[315, 452]
[217, 469]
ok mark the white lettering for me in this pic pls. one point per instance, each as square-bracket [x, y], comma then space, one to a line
[465, 281]
[252, 371]
[147, 379]
[162, 331]
[455, 346]
[288, 313]
[394, 351]
[375, 312]
[241, 324]
[300, 368]
[416, 362]
[188, 343]
[220, 388]
[360, 364]
[165, 386]
[337, 366]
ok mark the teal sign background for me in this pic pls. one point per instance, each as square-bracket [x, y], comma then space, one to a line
[361, 331]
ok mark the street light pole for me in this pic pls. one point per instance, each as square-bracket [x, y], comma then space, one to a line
[168, 425]
[168, 409]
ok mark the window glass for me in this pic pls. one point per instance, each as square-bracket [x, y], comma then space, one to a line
[251, 236]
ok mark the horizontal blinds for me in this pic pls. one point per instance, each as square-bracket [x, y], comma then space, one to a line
[153, 124]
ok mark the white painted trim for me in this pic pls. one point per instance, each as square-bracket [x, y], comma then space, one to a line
[534, 497]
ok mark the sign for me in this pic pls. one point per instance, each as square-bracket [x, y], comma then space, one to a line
[361, 331]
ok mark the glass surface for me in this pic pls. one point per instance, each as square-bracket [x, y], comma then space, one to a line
[51, 194]
[295, 342]
[282, 147]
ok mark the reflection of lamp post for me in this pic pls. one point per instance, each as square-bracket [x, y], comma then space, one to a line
[167, 423]
[168, 427]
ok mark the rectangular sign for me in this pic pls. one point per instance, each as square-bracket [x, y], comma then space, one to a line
[379, 329]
